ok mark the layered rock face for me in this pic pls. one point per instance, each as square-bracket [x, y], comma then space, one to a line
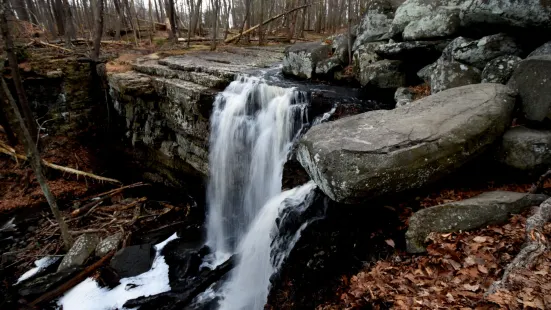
[383, 152]
[166, 105]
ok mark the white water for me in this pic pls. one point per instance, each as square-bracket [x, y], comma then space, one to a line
[253, 125]
[249, 285]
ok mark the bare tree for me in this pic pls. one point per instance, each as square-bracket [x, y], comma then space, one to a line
[216, 10]
[27, 139]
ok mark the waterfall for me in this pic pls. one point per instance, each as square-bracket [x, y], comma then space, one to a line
[252, 127]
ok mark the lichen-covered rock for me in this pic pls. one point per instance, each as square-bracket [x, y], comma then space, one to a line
[403, 96]
[545, 49]
[441, 24]
[530, 15]
[479, 52]
[412, 50]
[478, 15]
[383, 74]
[414, 10]
[328, 66]
[365, 55]
[375, 23]
[447, 53]
[301, 59]
[449, 74]
[484, 209]
[526, 149]
[532, 79]
[426, 72]
[500, 69]
[389, 151]
[80, 251]
[108, 244]
[339, 46]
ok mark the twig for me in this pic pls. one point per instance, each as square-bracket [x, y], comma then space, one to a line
[58, 167]
[54, 46]
[536, 244]
[74, 281]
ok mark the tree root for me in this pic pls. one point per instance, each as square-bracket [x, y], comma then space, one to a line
[10, 151]
[536, 244]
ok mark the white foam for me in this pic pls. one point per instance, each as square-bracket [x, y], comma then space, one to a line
[88, 295]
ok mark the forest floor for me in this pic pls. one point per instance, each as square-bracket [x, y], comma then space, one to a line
[457, 270]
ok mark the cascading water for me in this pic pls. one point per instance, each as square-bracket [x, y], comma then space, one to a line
[253, 127]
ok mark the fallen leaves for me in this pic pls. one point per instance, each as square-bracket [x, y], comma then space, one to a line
[456, 273]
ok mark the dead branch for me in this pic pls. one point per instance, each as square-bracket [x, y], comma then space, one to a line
[536, 244]
[53, 46]
[116, 190]
[541, 181]
[123, 207]
[72, 282]
[269, 20]
[9, 151]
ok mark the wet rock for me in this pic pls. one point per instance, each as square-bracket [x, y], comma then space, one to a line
[449, 74]
[133, 260]
[484, 209]
[418, 50]
[478, 53]
[375, 23]
[328, 66]
[48, 282]
[403, 96]
[80, 251]
[108, 244]
[441, 24]
[545, 49]
[184, 260]
[526, 149]
[500, 69]
[301, 59]
[383, 74]
[383, 152]
[107, 277]
[532, 79]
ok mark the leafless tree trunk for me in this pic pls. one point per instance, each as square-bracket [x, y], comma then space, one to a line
[99, 30]
[120, 18]
[172, 20]
[16, 77]
[216, 10]
[261, 29]
[27, 139]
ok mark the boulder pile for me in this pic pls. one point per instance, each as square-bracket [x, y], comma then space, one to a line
[488, 67]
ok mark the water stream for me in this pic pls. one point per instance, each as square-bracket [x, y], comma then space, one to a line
[253, 127]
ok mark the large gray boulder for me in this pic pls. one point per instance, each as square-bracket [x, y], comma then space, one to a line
[440, 24]
[532, 79]
[83, 248]
[526, 149]
[484, 209]
[478, 53]
[500, 69]
[300, 59]
[383, 74]
[545, 49]
[328, 67]
[375, 23]
[415, 10]
[365, 55]
[449, 74]
[477, 14]
[388, 151]
[411, 50]
[339, 46]
[529, 15]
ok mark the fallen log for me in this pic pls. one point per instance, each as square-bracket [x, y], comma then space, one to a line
[536, 244]
[269, 20]
[102, 197]
[179, 298]
[72, 282]
[9, 151]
